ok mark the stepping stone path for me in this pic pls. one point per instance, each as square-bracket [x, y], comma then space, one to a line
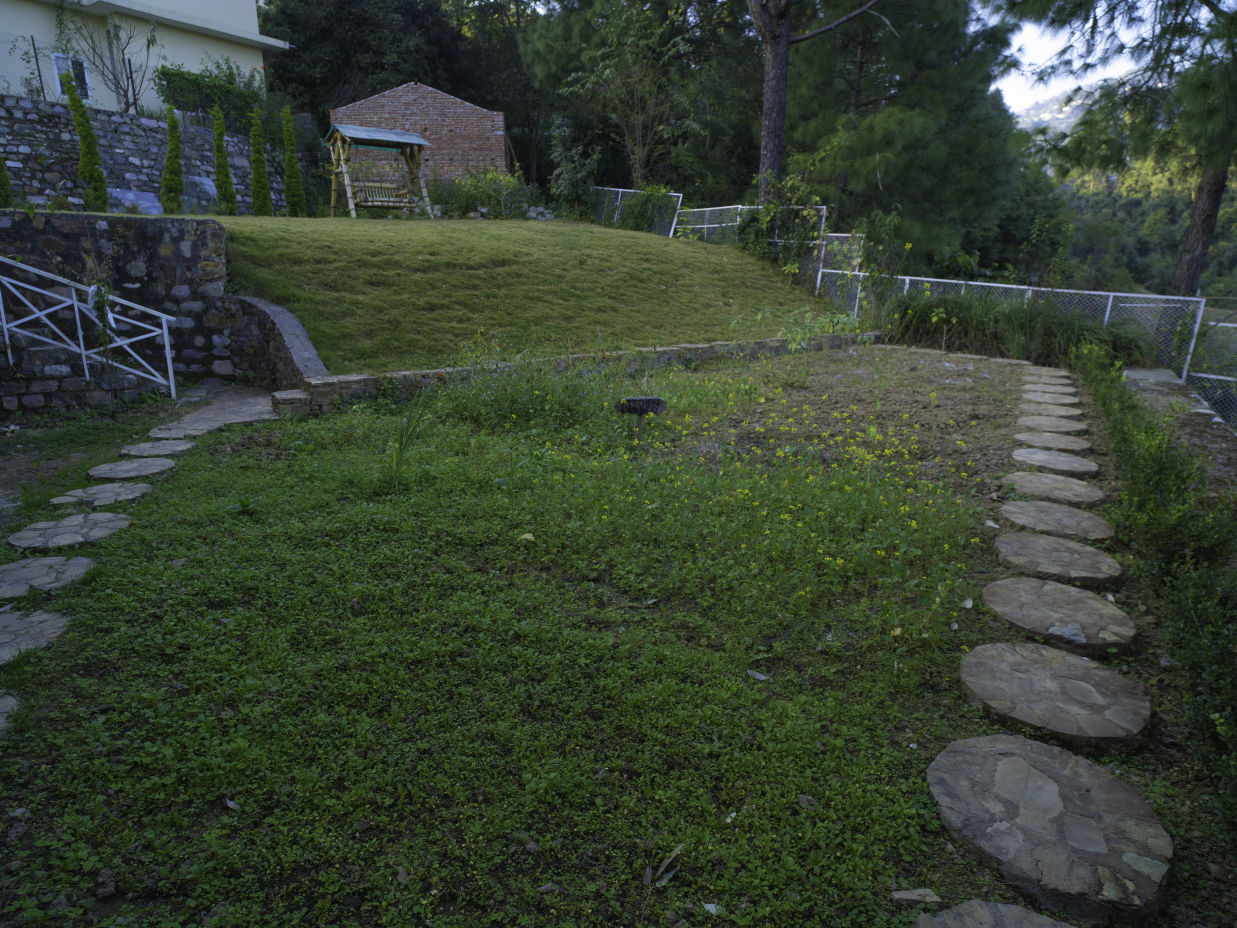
[25, 631]
[1059, 828]
[40, 573]
[1053, 486]
[1051, 424]
[104, 494]
[1071, 696]
[1056, 519]
[138, 467]
[1037, 371]
[1062, 389]
[242, 405]
[1039, 396]
[1075, 619]
[1055, 460]
[1048, 409]
[979, 914]
[1056, 558]
[154, 449]
[1054, 440]
[71, 530]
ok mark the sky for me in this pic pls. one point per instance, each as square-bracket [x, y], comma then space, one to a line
[1035, 46]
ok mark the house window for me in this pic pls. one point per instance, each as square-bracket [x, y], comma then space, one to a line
[77, 68]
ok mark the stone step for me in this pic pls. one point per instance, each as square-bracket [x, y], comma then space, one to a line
[26, 631]
[69, 531]
[40, 573]
[1074, 619]
[1054, 440]
[1046, 386]
[976, 913]
[1059, 828]
[1056, 519]
[1052, 558]
[1033, 394]
[1070, 696]
[1036, 380]
[1046, 371]
[1056, 410]
[127, 470]
[156, 449]
[1051, 424]
[1053, 487]
[1055, 460]
[103, 494]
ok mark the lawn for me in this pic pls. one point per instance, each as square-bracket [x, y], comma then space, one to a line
[384, 295]
[534, 673]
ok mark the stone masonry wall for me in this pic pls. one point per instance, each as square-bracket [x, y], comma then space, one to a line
[462, 137]
[39, 145]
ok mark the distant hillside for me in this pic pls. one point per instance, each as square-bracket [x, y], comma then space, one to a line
[1055, 113]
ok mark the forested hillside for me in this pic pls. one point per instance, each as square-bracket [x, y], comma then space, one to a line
[883, 110]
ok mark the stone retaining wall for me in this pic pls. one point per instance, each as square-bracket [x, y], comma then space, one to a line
[39, 145]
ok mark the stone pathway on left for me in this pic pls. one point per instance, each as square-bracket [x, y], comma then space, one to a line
[69, 531]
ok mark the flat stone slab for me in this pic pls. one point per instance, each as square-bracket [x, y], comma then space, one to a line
[1051, 424]
[1074, 619]
[1071, 696]
[1056, 519]
[155, 449]
[235, 404]
[976, 913]
[103, 494]
[40, 573]
[1049, 385]
[71, 530]
[25, 631]
[1034, 370]
[1048, 409]
[1052, 558]
[138, 467]
[1034, 394]
[1055, 460]
[1053, 487]
[1059, 828]
[1054, 440]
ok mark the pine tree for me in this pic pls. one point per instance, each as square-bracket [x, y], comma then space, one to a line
[293, 189]
[225, 193]
[257, 167]
[172, 183]
[6, 189]
[89, 162]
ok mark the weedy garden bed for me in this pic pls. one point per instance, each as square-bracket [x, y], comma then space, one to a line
[487, 661]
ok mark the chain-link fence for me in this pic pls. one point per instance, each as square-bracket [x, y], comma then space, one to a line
[1212, 366]
[1171, 322]
[25, 67]
[617, 206]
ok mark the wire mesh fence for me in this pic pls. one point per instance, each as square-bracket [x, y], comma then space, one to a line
[1213, 364]
[25, 67]
[617, 206]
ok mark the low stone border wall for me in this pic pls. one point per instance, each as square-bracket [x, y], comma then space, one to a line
[320, 394]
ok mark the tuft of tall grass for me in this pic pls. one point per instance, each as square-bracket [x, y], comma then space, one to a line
[1037, 331]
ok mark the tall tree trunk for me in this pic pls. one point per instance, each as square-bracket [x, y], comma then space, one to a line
[773, 112]
[1193, 255]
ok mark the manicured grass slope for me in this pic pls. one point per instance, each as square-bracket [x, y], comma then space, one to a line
[381, 295]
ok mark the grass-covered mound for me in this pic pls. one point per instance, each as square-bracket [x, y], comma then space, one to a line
[380, 295]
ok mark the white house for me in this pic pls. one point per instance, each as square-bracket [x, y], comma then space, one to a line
[112, 47]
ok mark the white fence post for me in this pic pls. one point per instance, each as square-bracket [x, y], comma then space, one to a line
[1189, 356]
[1108, 311]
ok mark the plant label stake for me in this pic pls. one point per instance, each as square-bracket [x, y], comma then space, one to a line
[640, 406]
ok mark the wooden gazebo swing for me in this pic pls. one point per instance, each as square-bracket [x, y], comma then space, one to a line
[410, 146]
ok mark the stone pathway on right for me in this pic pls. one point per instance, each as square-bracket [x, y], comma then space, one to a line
[1054, 440]
[1074, 619]
[1055, 460]
[1053, 487]
[1056, 519]
[979, 914]
[136, 467]
[25, 631]
[1052, 558]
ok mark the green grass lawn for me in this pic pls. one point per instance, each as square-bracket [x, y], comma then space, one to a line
[384, 295]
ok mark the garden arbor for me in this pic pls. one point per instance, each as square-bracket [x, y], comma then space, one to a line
[408, 145]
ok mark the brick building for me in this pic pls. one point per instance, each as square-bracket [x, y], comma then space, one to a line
[462, 137]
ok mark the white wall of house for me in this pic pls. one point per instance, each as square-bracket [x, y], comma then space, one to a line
[187, 33]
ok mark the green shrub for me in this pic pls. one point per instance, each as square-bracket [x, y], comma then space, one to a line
[260, 183]
[225, 193]
[786, 228]
[89, 163]
[571, 184]
[650, 210]
[1185, 541]
[6, 188]
[293, 189]
[172, 182]
[221, 85]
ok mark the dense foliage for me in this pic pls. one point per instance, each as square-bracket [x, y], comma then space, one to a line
[6, 187]
[89, 162]
[172, 181]
[220, 83]
[225, 193]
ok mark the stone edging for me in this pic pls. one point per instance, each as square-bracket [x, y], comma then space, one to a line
[319, 393]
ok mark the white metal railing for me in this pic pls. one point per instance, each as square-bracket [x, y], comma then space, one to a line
[104, 331]
[608, 208]
[721, 223]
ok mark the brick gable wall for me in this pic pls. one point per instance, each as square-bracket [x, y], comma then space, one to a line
[462, 137]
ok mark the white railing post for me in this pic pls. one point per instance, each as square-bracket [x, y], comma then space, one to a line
[167, 354]
[4, 321]
[1108, 311]
[1198, 321]
[81, 338]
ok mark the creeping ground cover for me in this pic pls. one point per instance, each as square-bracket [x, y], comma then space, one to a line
[482, 659]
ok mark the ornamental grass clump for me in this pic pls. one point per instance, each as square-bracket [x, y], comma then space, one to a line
[257, 162]
[225, 193]
[89, 163]
[172, 182]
